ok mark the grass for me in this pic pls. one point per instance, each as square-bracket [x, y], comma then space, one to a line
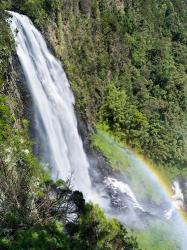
[106, 144]
[158, 236]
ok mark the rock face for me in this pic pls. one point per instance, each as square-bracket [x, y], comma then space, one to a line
[85, 6]
[18, 97]
[12, 89]
[120, 4]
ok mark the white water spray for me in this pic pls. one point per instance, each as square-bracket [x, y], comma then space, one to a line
[177, 200]
[125, 189]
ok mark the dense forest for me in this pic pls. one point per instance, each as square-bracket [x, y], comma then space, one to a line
[127, 65]
[126, 61]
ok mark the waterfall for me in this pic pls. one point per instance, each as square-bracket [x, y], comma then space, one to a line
[53, 105]
[135, 197]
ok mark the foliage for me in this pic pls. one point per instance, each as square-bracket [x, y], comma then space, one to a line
[51, 236]
[122, 159]
[155, 238]
[5, 44]
[35, 10]
[104, 142]
[35, 211]
[95, 232]
[28, 196]
[127, 67]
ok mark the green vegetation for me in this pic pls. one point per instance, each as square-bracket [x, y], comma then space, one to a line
[122, 159]
[127, 70]
[127, 66]
[114, 152]
[155, 238]
[36, 212]
[117, 154]
[94, 231]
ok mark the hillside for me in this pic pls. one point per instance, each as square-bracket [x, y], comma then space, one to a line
[127, 66]
[126, 62]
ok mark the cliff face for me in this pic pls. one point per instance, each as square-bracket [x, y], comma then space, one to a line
[11, 101]
[85, 6]
[11, 89]
[15, 101]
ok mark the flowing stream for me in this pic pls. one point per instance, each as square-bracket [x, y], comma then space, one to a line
[122, 196]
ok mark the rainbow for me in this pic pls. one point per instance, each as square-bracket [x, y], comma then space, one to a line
[163, 182]
[145, 164]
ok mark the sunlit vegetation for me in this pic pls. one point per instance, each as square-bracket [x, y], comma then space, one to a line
[155, 238]
[120, 158]
[114, 152]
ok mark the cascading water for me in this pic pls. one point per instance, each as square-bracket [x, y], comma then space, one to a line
[53, 105]
[125, 196]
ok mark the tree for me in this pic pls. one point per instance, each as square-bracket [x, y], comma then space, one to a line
[95, 232]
